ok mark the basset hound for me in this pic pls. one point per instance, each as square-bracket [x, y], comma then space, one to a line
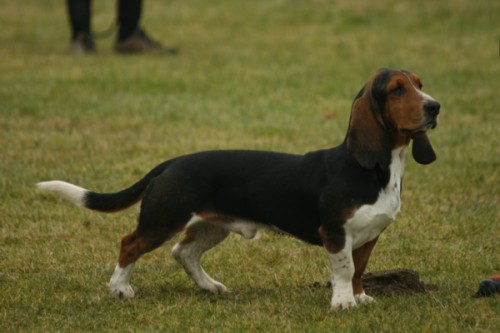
[340, 198]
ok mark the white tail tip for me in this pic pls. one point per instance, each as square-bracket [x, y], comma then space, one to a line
[69, 191]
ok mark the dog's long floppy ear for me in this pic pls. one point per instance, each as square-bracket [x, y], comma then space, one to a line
[367, 138]
[422, 149]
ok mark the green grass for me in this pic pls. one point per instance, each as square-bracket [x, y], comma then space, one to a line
[250, 74]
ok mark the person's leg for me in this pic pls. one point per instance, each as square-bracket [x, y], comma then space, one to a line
[129, 14]
[79, 12]
[131, 37]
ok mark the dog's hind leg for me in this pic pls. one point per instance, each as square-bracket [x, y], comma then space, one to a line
[119, 284]
[166, 209]
[133, 246]
[199, 238]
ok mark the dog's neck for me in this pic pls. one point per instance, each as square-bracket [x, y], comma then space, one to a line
[399, 138]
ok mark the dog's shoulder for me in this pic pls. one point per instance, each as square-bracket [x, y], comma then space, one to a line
[347, 183]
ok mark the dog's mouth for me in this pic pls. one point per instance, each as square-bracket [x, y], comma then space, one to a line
[430, 124]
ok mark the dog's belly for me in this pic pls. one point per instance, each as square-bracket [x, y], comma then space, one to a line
[250, 229]
[247, 229]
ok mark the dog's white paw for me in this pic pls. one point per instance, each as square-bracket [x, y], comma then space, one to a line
[343, 303]
[216, 287]
[363, 298]
[122, 291]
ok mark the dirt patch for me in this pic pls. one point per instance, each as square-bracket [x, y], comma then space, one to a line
[391, 283]
[395, 282]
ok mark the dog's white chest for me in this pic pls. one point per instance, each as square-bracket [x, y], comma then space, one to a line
[370, 220]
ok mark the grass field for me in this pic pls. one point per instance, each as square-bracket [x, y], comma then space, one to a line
[263, 74]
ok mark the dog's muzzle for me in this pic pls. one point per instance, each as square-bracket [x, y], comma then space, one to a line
[431, 110]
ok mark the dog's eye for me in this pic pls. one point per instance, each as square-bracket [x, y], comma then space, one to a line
[398, 91]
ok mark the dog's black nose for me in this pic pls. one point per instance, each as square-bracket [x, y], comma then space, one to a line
[432, 108]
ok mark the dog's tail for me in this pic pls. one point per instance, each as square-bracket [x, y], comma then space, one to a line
[103, 202]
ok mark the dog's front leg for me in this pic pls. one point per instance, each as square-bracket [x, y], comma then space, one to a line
[342, 272]
[339, 248]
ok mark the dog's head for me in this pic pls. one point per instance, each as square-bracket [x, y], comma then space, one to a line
[388, 112]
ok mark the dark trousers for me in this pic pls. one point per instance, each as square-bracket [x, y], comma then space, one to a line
[79, 12]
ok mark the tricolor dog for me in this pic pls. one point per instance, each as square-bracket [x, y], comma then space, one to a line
[340, 198]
